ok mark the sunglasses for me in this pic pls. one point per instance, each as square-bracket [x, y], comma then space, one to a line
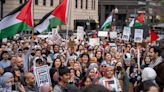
[103, 66]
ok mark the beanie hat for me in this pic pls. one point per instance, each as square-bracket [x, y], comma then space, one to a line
[148, 74]
[127, 57]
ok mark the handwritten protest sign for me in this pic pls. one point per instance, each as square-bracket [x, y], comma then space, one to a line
[138, 36]
[42, 75]
[94, 41]
[56, 38]
[113, 35]
[103, 34]
[126, 34]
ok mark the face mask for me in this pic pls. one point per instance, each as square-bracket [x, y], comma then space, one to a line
[119, 68]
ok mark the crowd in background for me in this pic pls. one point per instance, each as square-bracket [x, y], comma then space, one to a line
[74, 68]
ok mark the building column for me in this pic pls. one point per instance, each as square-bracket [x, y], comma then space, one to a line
[102, 15]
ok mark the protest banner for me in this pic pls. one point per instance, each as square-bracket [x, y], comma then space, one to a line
[42, 75]
[113, 35]
[126, 34]
[102, 33]
[138, 36]
[94, 41]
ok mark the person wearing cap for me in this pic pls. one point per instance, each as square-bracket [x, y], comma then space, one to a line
[148, 77]
[102, 67]
[110, 81]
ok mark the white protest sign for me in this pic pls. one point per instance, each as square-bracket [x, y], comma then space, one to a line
[113, 35]
[94, 41]
[138, 36]
[80, 33]
[42, 75]
[103, 33]
[4, 40]
[56, 38]
[126, 34]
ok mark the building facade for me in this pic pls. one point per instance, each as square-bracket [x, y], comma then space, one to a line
[127, 9]
[82, 12]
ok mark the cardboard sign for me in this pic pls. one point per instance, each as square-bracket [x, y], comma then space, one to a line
[94, 41]
[103, 33]
[113, 35]
[126, 34]
[42, 75]
[138, 36]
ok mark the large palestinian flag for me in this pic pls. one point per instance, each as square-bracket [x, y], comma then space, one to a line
[107, 23]
[18, 20]
[53, 18]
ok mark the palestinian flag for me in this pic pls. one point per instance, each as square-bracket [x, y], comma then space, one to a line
[53, 19]
[18, 20]
[107, 23]
[153, 36]
[138, 22]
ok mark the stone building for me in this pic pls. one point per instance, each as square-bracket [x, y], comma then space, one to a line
[83, 12]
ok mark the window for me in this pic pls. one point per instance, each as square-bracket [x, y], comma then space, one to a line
[36, 2]
[92, 5]
[81, 4]
[52, 3]
[76, 3]
[3, 1]
[44, 2]
[86, 4]
[20, 1]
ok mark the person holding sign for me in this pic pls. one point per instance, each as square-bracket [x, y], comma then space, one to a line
[110, 81]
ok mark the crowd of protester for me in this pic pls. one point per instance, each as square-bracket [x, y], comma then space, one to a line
[81, 67]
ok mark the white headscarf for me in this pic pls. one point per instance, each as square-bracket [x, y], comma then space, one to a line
[6, 87]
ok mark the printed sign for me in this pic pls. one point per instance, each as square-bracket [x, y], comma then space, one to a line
[56, 38]
[103, 33]
[94, 41]
[42, 75]
[126, 34]
[138, 36]
[80, 33]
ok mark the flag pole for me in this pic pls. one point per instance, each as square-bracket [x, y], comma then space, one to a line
[68, 19]
[33, 20]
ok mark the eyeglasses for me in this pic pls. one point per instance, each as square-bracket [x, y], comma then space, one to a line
[103, 66]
